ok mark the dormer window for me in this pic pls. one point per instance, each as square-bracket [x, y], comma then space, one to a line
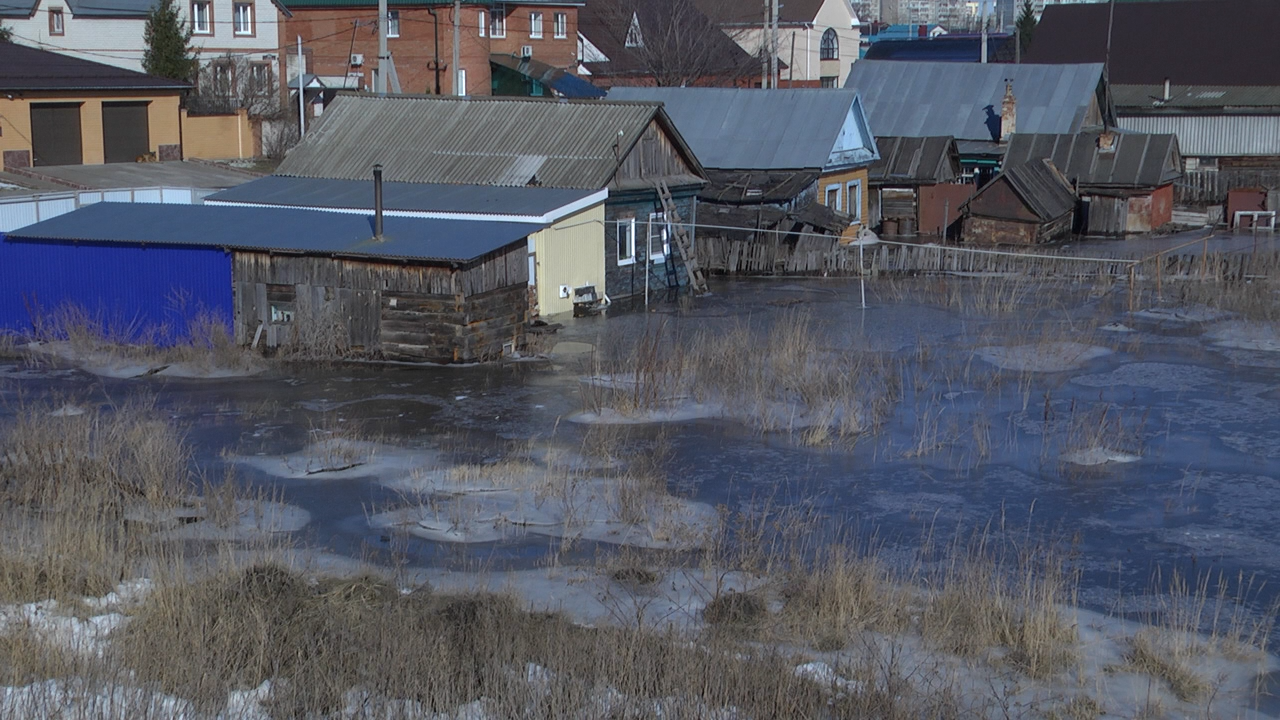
[56, 26]
[634, 38]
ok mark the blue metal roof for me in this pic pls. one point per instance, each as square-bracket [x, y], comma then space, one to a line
[278, 230]
[752, 129]
[963, 100]
[412, 197]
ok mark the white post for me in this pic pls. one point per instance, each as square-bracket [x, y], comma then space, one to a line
[384, 66]
[862, 276]
[302, 90]
[648, 258]
[984, 32]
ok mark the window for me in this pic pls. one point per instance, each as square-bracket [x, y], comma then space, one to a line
[55, 22]
[462, 82]
[484, 21]
[222, 74]
[659, 248]
[202, 17]
[833, 197]
[855, 200]
[626, 241]
[535, 25]
[828, 82]
[242, 23]
[497, 23]
[561, 27]
[393, 23]
[260, 76]
[634, 38]
[830, 49]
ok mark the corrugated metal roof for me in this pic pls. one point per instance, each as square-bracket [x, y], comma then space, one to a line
[922, 99]
[751, 129]
[281, 230]
[1214, 135]
[471, 141]
[27, 68]
[1138, 160]
[1042, 187]
[413, 197]
[916, 160]
[18, 8]
[1245, 98]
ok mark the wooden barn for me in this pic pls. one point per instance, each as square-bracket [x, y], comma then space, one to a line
[916, 186]
[1125, 180]
[1026, 204]
[439, 290]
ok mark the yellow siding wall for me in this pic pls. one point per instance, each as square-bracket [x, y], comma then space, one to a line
[843, 179]
[218, 137]
[15, 120]
[571, 252]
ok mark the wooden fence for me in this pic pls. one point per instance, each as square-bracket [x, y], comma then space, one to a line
[1210, 187]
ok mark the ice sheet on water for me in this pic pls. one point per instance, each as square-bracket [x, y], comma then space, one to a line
[1042, 357]
[1163, 377]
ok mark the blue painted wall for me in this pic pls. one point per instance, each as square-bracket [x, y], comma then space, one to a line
[135, 291]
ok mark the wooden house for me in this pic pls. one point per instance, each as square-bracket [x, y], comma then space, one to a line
[916, 186]
[425, 290]
[627, 149]
[1027, 204]
[1125, 180]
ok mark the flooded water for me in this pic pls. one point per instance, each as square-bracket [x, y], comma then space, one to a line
[1184, 430]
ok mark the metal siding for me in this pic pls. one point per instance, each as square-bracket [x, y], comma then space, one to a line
[571, 252]
[148, 195]
[125, 286]
[16, 215]
[1214, 135]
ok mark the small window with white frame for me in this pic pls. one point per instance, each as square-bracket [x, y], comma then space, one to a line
[626, 241]
[393, 23]
[560, 28]
[833, 197]
[56, 22]
[484, 21]
[535, 25]
[242, 18]
[201, 17]
[497, 23]
[855, 200]
[659, 237]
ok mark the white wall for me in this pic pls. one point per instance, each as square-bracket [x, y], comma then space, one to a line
[807, 65]
[119, 42]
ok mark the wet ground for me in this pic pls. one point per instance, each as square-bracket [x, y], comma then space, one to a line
[967, 445]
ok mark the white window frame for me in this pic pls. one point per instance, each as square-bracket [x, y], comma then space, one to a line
[826, 196]
[560, 25]
[462, 82]
[393, 23]
[484, 22]
[236, 8]
[57, 22]
[535, 25]
[854, 188]
[663, 234]
[498, 23]
[627, 229]
[206, 17]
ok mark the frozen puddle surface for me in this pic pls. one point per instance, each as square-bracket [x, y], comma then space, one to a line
[1042, 357]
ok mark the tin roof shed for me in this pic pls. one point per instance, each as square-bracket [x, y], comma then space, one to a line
[1133, 161]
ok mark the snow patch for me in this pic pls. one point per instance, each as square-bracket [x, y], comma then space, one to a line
[1245, 335]
[1043, 357]
[1098, 456]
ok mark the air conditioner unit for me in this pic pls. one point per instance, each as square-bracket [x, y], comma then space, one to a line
[357, 59]
[526, 51]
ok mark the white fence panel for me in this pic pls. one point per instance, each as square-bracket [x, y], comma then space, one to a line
[27, 210]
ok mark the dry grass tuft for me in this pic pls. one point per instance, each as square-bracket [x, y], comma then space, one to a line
[1150, 654]
[841, 596]
[735, 610]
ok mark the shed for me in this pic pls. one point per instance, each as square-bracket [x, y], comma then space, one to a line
[560, 256]
[1025, 204]
[625, 148]
[917, 180]
[428, 290]
[1125, 180]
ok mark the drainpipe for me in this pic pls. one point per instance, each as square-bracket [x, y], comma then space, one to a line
[435, 24]
[377, 201]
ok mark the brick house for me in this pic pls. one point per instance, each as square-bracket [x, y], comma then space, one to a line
[340, 41]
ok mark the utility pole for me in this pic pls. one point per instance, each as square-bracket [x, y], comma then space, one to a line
[984, 32]
[764, 48]
[302, 90]
[457, 10]
[773, 46]
[384, 57]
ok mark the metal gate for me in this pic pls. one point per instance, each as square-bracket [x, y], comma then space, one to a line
[55, 134]
[125, 135]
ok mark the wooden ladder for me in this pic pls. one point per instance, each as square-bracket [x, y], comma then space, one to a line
[697, 279]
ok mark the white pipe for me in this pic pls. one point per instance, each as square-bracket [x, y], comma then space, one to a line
[302, 90]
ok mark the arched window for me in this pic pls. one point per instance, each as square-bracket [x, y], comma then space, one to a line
[830, 45]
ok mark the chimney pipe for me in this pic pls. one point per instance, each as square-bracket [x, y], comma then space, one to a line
[377, 201]
[1008, 113]
[1167, 89]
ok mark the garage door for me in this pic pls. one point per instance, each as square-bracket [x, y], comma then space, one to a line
[55, 134]
[124, 131]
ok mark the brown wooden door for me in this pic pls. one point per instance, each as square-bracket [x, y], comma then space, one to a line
[125, 135]
[55, 134]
